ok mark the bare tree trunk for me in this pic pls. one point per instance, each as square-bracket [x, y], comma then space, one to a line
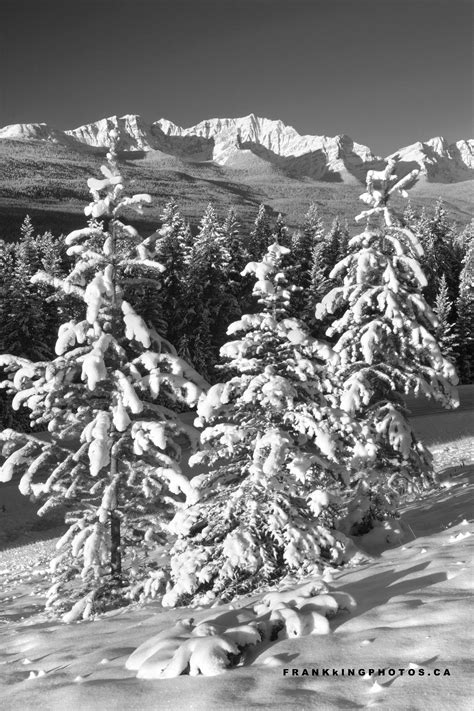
[116, 554]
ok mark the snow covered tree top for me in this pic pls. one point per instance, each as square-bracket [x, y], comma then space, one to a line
[270, 290]
[381, 185]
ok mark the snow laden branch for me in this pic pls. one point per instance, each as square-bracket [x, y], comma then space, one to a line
[222, 640]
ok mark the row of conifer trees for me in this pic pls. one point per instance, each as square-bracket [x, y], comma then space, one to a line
[202, 290]
[303, 441]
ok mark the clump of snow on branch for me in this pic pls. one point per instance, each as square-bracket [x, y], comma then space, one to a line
[221, 641]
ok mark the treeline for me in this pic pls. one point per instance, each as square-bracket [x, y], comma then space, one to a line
[202, 289]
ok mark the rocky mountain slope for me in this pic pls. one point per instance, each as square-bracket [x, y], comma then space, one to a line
[240, 162]
[37, 132]
[438, 160]
[238, 142]
[317, 156]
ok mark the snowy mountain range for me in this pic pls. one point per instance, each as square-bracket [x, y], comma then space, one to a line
[250, 141]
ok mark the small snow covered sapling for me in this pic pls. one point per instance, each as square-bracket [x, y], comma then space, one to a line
[272, 444]
[385, 350]
[111, 457]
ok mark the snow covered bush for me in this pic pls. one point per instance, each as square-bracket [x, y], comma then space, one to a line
[273, 445]
[223, 639]
[111, 455]
[385, 350]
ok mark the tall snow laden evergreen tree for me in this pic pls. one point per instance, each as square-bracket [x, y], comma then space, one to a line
[113, 449]
[170, 252]
[27, 247]
[303, 243]
[444, 331]
[7, 417]
[386, 349]
[40, 307]
[28, 312]
[335, 241]
[260, 235]
[238, 288]
[443, 254]
[208, 298]
[271, 446]
[27, 319]
[306, 265]
[187, 242]
[465, 238]
[7, 266]
[280, 232]
[465, 318]
[237, 249]
[328, 248]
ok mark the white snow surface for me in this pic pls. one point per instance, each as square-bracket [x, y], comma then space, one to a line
[413, 611]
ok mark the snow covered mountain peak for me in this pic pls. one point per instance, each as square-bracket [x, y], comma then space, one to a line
[439, 144]
[438, 160]
[134, 133]
[168, 127]
[246, 141]
[34, 132]
[278, 143]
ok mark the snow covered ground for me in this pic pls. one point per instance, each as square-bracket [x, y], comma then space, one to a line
[414, 614]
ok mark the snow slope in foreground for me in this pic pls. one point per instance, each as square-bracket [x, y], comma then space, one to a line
[413, 612]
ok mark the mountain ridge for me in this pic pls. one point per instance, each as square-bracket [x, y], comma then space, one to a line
[232, 141]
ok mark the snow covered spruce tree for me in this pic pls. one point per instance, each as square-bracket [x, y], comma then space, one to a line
[170, 252]
[236, 247]
[261, 235]
[326, 252]
[386, 349]
[271, 446]
[281, 233]
[465, 317]
[113, 449]
[444, 331]
[208, 297]
[238, 287]
[26, 317]
[304, 241]
[305, 244]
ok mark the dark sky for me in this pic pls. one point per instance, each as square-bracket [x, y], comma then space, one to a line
[387, 72]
